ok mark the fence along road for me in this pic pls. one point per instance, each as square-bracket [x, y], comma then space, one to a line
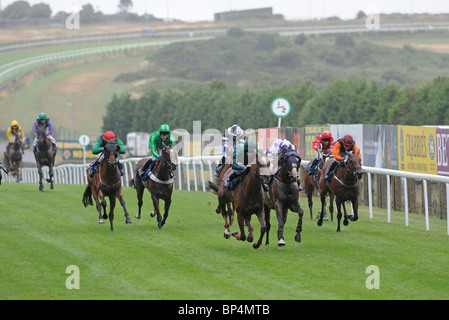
[202, 169]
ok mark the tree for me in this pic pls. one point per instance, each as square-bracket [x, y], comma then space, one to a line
[39, 11]
[16, 10]
[125, 5]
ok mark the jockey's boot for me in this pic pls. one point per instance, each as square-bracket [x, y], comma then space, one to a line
[330, 171]
[312, 167]
[93, 167]
[143, 170]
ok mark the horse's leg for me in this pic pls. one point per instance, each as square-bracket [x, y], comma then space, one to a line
[242, 235]
[123, 204]
[355, 207]
[346, 217]
[267, 222]
[111, 211]
[331, 205]
[50, 173]
[39, 171]
[323, 208]
[97, 203]
[263, 228]
[166, 209]
[299, 226]
[310, 201]
[281, 215]
[156, 210]
[140, 190]
[250, 229]
[338, 203]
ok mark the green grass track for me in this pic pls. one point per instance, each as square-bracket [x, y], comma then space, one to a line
[41, 234]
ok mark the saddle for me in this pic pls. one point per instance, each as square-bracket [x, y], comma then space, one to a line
[234, 178]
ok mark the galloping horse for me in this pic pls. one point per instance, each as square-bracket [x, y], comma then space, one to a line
[159, 184]
[13, 161]
[311, 183]
[45, 156]
[106, 182]
[284, 193]
[225, 201]
[344, 185]
[248, 198]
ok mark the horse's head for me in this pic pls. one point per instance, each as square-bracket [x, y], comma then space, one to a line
[354, 165]
[111, 152]
[289, 162]
[41, 133]
[17, 139]
[170, 157]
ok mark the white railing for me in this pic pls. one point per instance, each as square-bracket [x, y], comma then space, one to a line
[194, 172]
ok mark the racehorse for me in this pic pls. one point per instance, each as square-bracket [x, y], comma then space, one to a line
[248, 198]
[159, 184]
[106, 182]
[344, 185]
[45, 156]
[225, 201]
[284, 193]
[311, 183]
[14, 158]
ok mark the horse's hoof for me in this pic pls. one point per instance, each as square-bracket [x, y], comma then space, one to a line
[351, 217]
[355, 218]
[152, 214]
[52, 186]
[100, 221]
[128, 221]
[345, 222]
[298, 237]
[281, 243]
[137, 216]
[319, 223]
[250, 239]
[256, 245]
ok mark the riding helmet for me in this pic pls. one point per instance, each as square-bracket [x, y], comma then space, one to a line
[348, 140]
[164, 128]
[235, 131]
[109, 135]
[326, 135]
[42, 116]
[14, 123]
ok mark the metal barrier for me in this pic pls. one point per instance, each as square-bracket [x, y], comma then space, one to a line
[193, 173]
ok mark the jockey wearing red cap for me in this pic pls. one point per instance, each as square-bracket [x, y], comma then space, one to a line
[323, 143]
[98, 148]
[340, 152]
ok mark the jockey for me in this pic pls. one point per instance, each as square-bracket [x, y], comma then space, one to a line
[242, 158]
[273, 155]
[324, 142]
[232, 137]
[340, 152]
[44, 121]
[156, 143]
[12, 130]
[98, 148]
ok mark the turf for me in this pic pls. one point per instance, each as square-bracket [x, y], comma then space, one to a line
[41, 234]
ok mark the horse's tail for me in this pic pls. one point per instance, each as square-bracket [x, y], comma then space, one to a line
[87, 197]
[213, 187]
[131, 183]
